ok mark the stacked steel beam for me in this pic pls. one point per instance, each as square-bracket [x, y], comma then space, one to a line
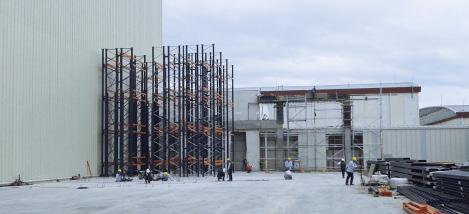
[419, 172]
[443, 202]
[168, 111]
[382, 165]
[454, 182]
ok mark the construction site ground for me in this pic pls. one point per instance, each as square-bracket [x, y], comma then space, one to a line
[249, 193]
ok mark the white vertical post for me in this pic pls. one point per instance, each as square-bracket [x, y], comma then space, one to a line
[307, 133]
[288, 128]
[381, 119]
[315, 137]
[265, 152]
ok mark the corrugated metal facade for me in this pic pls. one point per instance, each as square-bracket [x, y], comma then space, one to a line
[429, 143]
[50, 79]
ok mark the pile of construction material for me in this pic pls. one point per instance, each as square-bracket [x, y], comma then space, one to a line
[454, 182]
[446, 203]
[19, 182]
[425, 195]
[382, 165]
[440, 185]
[443, 185]
[379, 191]
[418, 171]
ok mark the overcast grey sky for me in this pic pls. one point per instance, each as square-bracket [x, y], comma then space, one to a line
[307, 42]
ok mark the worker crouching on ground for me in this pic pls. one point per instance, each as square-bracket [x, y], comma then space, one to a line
[163, 176]
[350, 168]
[342, 167]
[288, 164]
[221, 174]
[230, 169]
[248, 168]
[148, 176]
[120, 176]
[287, 175]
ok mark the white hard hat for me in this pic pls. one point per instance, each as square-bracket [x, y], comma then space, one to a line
[343, 159]
[148, 170]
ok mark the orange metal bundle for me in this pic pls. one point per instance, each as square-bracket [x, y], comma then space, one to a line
[416, 208]
[383, 191]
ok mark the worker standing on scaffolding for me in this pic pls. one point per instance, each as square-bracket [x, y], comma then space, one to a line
[350, 168]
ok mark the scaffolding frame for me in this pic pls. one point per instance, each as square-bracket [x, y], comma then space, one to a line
[301, 102]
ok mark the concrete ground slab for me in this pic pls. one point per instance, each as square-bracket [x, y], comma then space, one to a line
[248, 193]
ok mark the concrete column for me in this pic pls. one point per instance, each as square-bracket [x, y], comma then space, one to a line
[348, 143]
[279, 144]
[252, 149]
[279, 152]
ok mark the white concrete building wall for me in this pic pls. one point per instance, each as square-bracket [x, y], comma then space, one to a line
[245, 105]
[429, 143]
[50, 81]
[397, 110]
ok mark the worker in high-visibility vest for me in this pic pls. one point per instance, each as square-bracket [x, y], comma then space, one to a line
[351, 166]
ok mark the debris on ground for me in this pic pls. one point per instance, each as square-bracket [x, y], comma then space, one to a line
[19, 182]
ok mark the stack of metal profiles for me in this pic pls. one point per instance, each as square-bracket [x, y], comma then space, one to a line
[418, 171]
[461, 207]
[454, 182]
[464, 168]
[445, 203]
[382, 165]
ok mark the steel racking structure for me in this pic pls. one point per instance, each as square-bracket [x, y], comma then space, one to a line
[167, 113]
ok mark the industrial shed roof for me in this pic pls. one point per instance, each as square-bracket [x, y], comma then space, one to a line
[437, 114]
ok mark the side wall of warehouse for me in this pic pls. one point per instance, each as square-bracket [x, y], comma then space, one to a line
[456, 122]
[50, 79]
[433, 143]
